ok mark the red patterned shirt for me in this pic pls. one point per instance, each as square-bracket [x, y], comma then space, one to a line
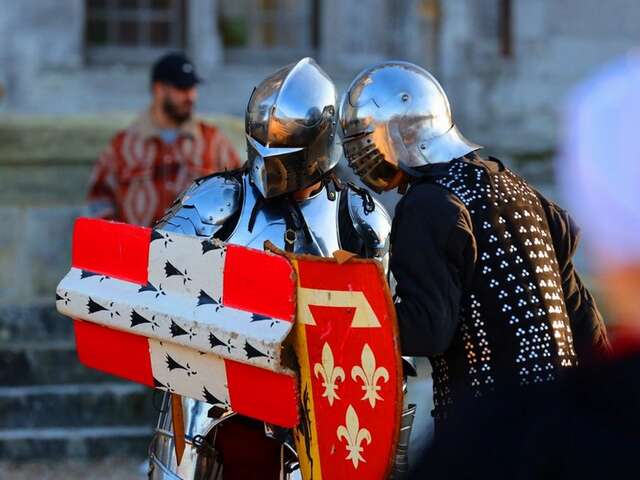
[138, 175]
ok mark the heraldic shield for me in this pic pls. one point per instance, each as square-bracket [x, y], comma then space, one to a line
[302, 342]
[350, 369]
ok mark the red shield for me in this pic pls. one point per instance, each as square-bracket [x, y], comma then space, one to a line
[350, 366]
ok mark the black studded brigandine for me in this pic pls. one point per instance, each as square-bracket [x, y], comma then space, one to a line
[514, 325]
[511, 326]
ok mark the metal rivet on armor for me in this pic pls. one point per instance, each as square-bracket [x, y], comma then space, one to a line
[290, 236]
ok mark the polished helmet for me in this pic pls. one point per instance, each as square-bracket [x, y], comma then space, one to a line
[396, 117]
[290, 125]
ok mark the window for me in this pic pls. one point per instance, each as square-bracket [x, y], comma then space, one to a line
[133, 31]
[269, 31]
[493, 24]
[505, 27]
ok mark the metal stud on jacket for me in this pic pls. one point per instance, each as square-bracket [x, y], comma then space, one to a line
[514, 328]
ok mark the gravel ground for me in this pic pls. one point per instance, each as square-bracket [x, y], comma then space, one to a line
[116, 468]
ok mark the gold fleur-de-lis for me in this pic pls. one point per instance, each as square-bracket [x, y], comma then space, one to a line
[330, 374]
[370, 375]
[355, 436]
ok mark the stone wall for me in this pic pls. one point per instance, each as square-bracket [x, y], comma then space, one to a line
[53, 406]
[513, 102]
[45, 163]
[508, 102]
[37, 34]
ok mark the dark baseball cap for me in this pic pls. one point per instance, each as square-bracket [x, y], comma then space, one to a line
[175, 69]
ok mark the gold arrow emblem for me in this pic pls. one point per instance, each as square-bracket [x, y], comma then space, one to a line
[364, 316]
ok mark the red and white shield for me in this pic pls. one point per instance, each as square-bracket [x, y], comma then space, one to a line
[212, 321]
[184, 314]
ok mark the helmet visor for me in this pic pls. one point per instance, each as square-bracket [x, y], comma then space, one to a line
[276, 171]
[371, 164]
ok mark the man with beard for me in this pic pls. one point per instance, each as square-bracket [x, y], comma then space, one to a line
[148, 164]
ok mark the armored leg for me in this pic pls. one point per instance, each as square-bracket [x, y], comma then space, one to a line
[401, 462]
[200, 460]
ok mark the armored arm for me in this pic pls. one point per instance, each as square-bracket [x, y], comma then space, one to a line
[209, 207]
[368, 226]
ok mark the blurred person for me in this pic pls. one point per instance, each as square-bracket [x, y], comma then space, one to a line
[148, 164]
[585, 426]
[486, 286]
[599, 174]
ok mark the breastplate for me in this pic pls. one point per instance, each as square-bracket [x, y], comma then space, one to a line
[319, 212]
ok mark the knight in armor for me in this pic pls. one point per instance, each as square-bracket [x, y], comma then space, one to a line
[288, 195]
[486, 286]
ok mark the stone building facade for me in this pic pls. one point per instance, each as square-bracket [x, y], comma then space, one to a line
[506, 63]
[74, 71]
